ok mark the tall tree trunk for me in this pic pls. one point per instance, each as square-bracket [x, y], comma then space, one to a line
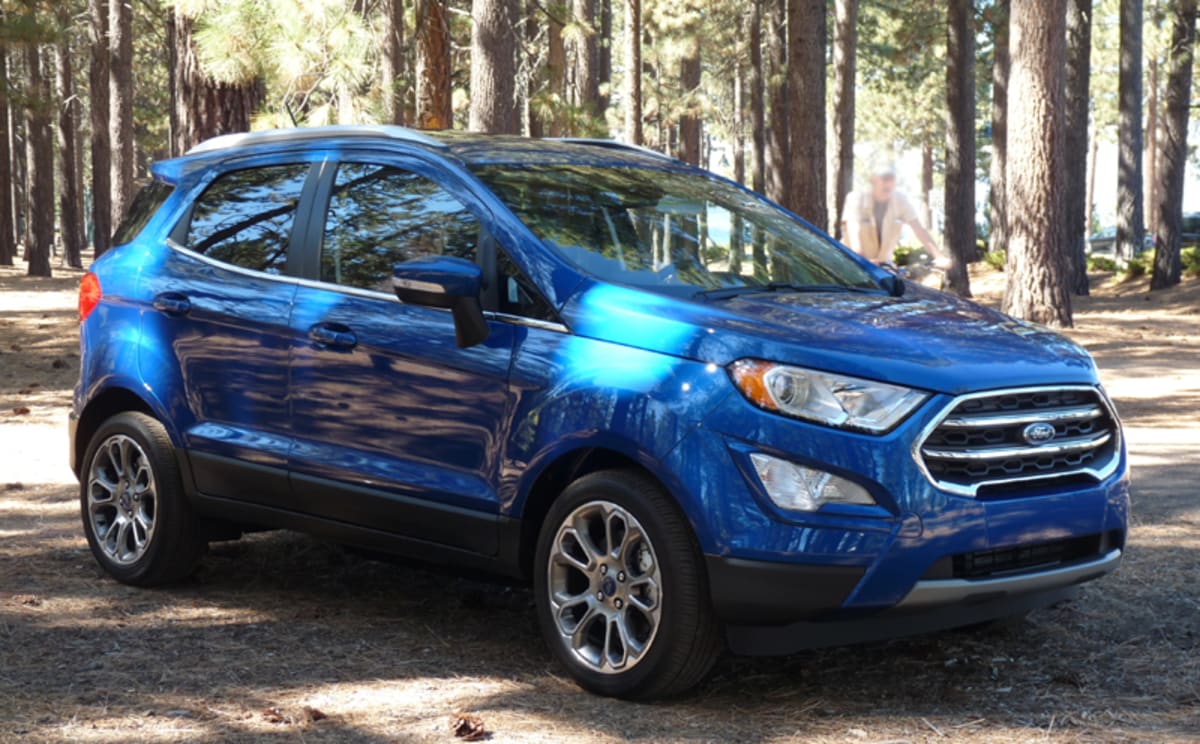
[493, 66]
[758, 134]
[1175, 146]
[845, 54]
[806, 120]
[997, 215]
[70, 202]
[739, 122]
[633, 72]
[434, 106]
[40, 163]
[777, 160]
[1090, 209]
[604, 54]
[960, 143]
[556, 67]
[689, 83]
[1130, 219]
[204, 108]
[1079, 73]
[392, 77]
[120, 95]
[8, 232]
[1038, 268]
[585, 61]
[1150, 155]
[98, 110]
[927, 183]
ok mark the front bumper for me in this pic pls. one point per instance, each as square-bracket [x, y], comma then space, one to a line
[931, 605]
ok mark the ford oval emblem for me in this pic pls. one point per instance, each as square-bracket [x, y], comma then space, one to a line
[1038, 433]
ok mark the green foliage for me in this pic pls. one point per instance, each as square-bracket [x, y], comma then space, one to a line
[997, 259]
[1102, 263]
[1191, 261]
[907, 255]
[1136, 267]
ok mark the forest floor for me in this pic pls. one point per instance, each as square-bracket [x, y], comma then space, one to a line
[283, 637]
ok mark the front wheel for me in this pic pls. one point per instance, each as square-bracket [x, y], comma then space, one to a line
[137, 518]
[621, 596]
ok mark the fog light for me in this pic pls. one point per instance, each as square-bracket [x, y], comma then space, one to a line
[800, 488]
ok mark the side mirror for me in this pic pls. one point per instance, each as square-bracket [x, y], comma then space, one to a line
[447, 282]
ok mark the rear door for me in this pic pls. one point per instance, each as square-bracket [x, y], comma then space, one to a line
[220, 304]
[396, 427]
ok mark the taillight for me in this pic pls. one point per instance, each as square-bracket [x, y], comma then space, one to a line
[89, 295]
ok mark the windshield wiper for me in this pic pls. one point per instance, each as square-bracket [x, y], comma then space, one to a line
[725, 293]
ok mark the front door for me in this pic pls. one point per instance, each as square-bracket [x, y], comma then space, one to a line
[396, 428]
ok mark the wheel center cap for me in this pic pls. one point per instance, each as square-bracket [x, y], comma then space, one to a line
[126, 503]
[608, 586]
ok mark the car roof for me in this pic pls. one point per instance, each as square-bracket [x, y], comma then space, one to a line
[469, 148]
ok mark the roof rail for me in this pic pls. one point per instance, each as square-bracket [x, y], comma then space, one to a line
[612, 144]
[305, 134]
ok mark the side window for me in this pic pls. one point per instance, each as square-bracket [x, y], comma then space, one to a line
[518, 295]
[245, 217]
[144, 205]
[380, 216]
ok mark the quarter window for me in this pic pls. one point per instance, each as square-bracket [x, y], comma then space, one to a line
[245, 217]
[380, 216]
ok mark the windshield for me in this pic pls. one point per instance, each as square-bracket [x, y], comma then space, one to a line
[680, 232]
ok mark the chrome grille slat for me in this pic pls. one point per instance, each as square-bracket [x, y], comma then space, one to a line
[979, 440]
[1080, 413]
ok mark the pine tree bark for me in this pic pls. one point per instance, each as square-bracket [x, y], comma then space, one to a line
[434, 106]
[1130, 218]
[845, 61]
[120, 96]
[202, 107]
[8, 232]
[98, 113]
[39, 233]
[604, 55]
[1093, 153]
[689, 83]
[556, 68]
[1150, 155]
[1079, 66]
[777, 156]
[1174, 147]
[960, 143]
[997, 214]
[758, 133]
[806, 120]
[1038, 268]
[392, 73]
[493, 67]
[70, 202]
[585, 60]
[633, 72]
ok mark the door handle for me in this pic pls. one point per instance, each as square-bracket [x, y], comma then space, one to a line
[172, 303]
[333, 336]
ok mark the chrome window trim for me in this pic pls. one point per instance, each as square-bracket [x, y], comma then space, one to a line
[178, 248]
[972, 491]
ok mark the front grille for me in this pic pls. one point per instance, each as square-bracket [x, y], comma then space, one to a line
[988, 440]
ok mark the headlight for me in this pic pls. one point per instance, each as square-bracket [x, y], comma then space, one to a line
[833, 400]
[796, 487]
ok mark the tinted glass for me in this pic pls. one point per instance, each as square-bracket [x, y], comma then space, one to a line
[518, 295]
[245, 217]
[676, 232]
[145, 204]
[380, 216]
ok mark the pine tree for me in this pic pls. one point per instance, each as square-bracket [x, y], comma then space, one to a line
[434, 109]
[98, 112]
[806, 117]
[633, 71]
[845, 55]
[960, 143]
[392, 73]
[1079, 65]
[1130, 218]
[120, 97]
[8, 232]
[70, 198]
[997, 215]
[493, 66]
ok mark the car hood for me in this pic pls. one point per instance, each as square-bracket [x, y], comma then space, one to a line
[924, 339]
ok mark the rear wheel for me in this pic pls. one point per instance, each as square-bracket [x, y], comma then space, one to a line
[621, 596]
[136, 516]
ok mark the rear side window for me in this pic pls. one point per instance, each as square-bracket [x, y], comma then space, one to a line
[380, 216]
[145, 204]
[245, 217]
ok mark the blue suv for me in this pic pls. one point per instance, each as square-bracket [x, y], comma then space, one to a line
[687, 417]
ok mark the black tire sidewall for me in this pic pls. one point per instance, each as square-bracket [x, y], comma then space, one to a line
[172, 515]
[673, 566]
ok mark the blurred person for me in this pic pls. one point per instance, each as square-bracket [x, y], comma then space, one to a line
[872, 220]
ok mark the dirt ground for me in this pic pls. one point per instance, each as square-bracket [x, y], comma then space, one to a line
[282, 637]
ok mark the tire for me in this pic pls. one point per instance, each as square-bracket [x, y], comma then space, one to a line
[137, 518]
[645, 588]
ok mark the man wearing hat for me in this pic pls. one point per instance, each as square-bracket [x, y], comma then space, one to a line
[872, 220]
